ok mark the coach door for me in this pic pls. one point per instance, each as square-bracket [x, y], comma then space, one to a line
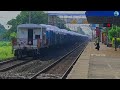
[30, 36]
[44, 35]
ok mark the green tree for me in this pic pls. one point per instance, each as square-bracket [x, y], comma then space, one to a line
[2, 31]
[37, 17]
[61, 23]
[13, 35]
[118, 31]
[113, 31]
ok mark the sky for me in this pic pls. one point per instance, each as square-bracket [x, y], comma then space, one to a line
[5, 16]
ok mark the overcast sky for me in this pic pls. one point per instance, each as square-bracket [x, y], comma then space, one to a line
[5, 16]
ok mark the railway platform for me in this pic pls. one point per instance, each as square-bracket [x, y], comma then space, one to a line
[93, 64]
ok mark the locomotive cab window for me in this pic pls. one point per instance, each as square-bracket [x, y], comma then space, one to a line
[37, 36]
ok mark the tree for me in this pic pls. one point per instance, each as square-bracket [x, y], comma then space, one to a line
[2, 31]
[13, 35]
[113, 31]
[60, 23]
[37, 17]
[80, 31]
[118, 31]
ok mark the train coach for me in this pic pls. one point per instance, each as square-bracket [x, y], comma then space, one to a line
[33, 38]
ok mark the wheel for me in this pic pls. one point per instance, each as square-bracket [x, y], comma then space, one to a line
[34, 54]
[19, 54]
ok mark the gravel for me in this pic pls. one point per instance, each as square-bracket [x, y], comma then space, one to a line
[59, 69]
[29, 69]
[10, 64]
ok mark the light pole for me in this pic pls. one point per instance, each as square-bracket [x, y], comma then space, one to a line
[106, 34]
[115, 43]
[48, 17]
[29, 17]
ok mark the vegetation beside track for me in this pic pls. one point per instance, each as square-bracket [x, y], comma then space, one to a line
[5, 50]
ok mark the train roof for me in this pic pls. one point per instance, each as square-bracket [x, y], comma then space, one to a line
[49, 28]
[52, 28]
[29, 26]
[58, 30]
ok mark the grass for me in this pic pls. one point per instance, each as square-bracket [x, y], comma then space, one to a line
[5, 50]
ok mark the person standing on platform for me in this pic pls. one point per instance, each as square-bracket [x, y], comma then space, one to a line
[115, 43]
[97, 41]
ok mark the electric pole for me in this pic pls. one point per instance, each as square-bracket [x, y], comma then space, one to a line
[29, 17]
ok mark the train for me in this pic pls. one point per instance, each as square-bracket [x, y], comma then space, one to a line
[33, 38]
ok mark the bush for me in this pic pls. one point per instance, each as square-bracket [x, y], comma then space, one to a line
[9, 43]
[113, 42]
[6, 52]
[118, 41]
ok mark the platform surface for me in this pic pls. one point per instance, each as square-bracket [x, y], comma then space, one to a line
[93, 64]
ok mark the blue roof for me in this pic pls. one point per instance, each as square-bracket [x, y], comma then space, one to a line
[100, 13]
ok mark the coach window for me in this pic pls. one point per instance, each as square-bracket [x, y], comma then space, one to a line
[37, 36]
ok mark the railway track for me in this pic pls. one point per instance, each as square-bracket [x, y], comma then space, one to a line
[31, 68]
[4, 66]
[7, 60]
[60, 68]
